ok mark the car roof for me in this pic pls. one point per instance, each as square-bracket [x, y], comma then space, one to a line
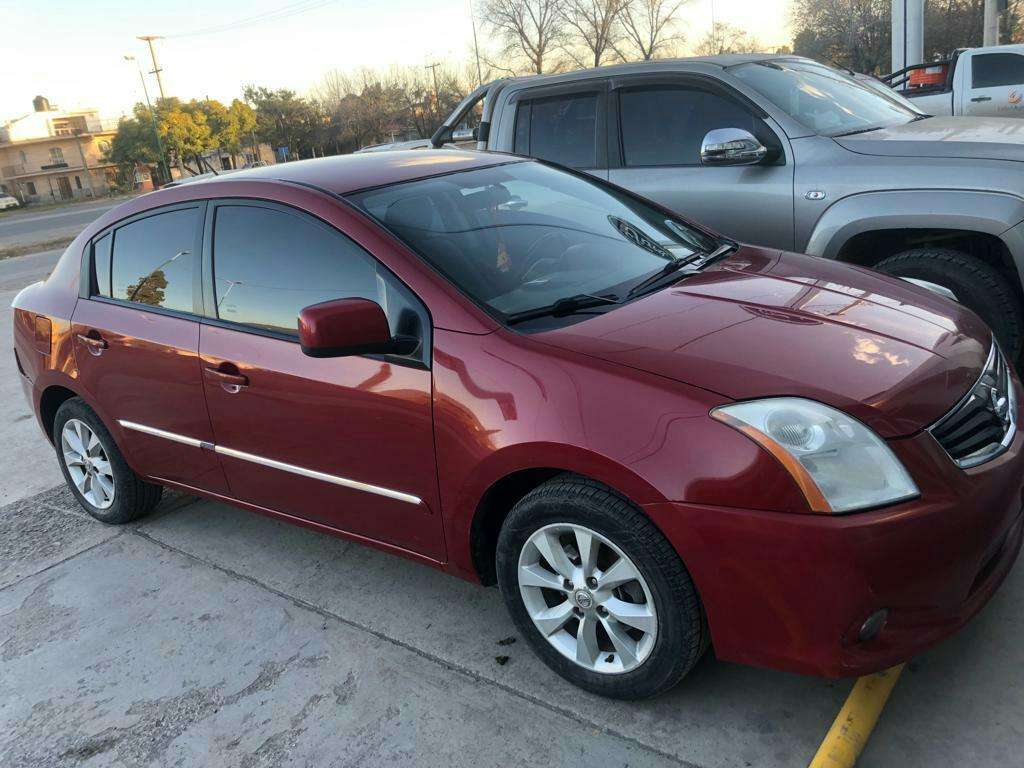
[343, 174]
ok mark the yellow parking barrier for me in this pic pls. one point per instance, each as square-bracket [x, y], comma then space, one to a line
[853, 725]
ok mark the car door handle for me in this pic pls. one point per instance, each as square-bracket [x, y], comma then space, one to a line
[231, 382]
[981, 98]
[95, 344]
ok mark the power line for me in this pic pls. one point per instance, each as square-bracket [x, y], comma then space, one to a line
[292, 9]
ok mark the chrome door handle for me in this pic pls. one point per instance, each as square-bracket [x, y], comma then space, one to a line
[95, 344]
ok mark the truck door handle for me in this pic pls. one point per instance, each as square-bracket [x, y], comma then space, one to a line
[231, 382]
[93, 342]
[981, 98]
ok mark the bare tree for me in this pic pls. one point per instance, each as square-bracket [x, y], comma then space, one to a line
[725, 38]
[648, 27]
[532, 30]
[592, 26]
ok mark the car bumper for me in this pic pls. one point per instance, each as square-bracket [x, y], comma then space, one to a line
[791, 591]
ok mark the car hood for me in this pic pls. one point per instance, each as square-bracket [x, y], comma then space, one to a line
[763, 324]
[976, 138]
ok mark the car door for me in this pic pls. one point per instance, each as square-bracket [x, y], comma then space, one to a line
[344, 442]
[136, 338]
[656, 127]
[996, 83]
[563, 124]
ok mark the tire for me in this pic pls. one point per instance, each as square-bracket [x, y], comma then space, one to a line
[976, 284]
[564, 507]
[129, 496]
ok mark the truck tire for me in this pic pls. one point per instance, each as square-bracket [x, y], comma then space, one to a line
[976, 285]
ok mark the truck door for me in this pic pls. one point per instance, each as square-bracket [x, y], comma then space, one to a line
[656, 127]
[993, 84]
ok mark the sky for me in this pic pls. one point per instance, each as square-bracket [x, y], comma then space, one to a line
[71, 51]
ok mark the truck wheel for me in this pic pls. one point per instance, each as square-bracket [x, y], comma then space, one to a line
[598, 591]
[975, 284]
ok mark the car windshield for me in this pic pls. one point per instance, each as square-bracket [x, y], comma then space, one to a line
[522, 236]
[824, 99]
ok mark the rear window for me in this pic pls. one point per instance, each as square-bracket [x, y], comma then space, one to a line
[991, 70]
[101, 265]
[562, 129]
[152, 260]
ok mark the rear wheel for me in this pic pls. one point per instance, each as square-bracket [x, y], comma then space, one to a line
[94, 468]
[974, 283]
[598, 591]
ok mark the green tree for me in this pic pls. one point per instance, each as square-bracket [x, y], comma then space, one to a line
[284, 119]
[134, 144]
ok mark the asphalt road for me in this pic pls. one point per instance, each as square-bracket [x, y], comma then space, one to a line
[19, 227]
[207, 635]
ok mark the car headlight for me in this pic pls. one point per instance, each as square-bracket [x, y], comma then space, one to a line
[838, 463]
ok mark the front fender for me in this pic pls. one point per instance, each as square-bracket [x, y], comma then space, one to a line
[991, 213]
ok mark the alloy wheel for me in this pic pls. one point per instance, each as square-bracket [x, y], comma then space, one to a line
[587, 598]
[87, 463]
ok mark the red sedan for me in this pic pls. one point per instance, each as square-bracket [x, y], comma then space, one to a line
[652, 439]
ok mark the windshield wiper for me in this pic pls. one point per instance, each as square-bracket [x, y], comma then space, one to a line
[857, 131]
[697, 261]
[570, 305]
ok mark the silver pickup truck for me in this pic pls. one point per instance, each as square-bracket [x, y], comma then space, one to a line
[788, 153]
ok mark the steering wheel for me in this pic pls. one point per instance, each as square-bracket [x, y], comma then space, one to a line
[533, 261]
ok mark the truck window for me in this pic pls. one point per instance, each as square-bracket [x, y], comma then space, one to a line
[562, 129]
[991, 70]
[665, 125]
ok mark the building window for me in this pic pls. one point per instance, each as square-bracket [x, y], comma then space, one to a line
[31, 187]
[78, 182]
[24, 157]
[56, 155]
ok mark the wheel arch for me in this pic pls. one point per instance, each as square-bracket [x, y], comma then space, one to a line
[50, 401]
[864, 229]
[489, 502]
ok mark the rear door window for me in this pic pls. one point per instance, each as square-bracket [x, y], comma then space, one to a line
[152, 261]
[666, 125]
[992, 70]
[563, 129]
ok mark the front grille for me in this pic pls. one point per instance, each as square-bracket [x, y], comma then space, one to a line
[982, 425]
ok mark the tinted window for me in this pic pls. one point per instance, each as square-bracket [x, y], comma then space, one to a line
[270, 264]
[562, 129]
[990, 70]
[152, 261]
[101, 265]
[666, 125]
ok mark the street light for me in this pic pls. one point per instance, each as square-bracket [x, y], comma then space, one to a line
[162, 164]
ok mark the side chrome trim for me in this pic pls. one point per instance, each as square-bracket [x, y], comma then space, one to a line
[173, 436]
[408, 498]
[343, 481]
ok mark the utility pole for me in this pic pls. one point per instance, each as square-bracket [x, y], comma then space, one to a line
[991, 28]
[907, 33]
[476, 48]
[437, 99]
[156, 68]
[162, 164]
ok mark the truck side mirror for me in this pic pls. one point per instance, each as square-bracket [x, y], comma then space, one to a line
[732, 146]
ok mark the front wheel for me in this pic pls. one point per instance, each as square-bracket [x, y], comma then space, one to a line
[598, 591]
[972, 282]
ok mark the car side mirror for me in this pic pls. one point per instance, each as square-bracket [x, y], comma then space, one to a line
[732, 146]
[346, 327]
